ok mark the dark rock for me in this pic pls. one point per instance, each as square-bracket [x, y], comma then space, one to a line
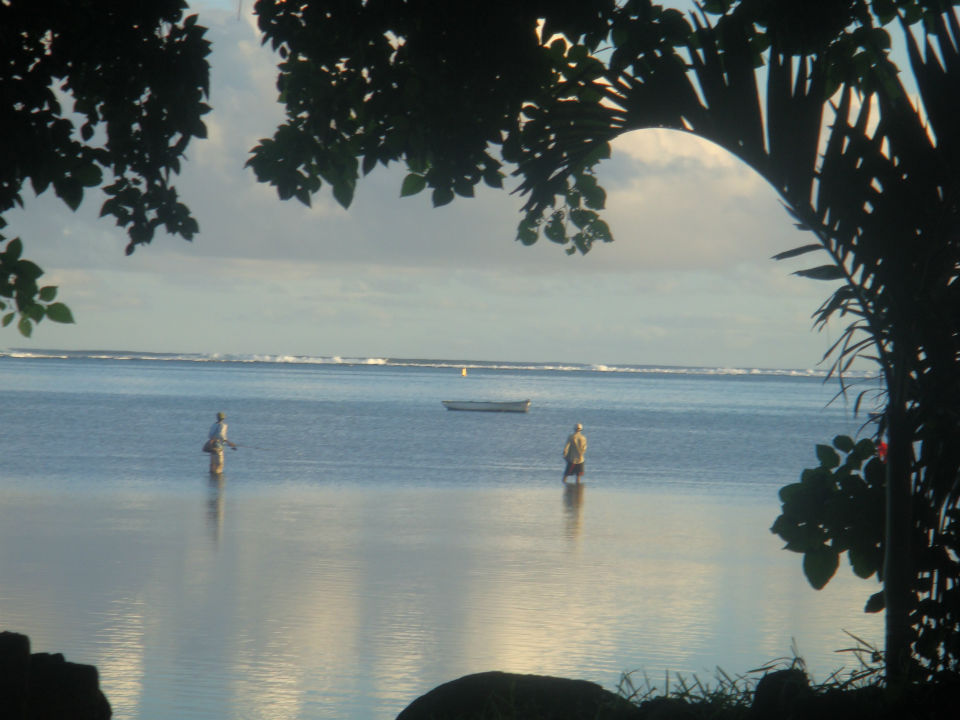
[60, 690]
[781, 695]
[508, 696]
[44, 686]
[14, 671]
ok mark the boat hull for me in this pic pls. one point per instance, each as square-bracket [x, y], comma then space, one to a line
[516, 406]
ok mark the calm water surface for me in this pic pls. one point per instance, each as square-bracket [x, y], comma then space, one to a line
[365, 545]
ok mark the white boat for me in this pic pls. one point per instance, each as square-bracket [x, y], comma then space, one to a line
[517, 406]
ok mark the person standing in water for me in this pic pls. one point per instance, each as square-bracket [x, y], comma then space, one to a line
[574, 452]
[217, 439]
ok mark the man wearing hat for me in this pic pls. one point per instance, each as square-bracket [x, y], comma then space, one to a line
[217, 439]
[573, 453]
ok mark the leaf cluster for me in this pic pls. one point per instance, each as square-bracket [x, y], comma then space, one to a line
[101, 95]
[550, 84]
[20, 294]
[836, 508]
[839, 507]
[368, 83]
[936, 616]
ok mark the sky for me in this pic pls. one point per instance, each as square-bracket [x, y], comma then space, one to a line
[688, 281]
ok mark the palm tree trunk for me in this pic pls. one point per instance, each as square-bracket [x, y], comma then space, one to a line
[897, 565]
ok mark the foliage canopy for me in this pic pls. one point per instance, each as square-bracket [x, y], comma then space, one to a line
[96, 95]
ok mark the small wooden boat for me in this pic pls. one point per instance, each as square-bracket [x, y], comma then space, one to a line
[517, 406]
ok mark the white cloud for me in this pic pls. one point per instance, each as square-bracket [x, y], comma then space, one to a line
[657, 147]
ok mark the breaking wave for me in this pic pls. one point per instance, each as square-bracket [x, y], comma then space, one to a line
[469, 365]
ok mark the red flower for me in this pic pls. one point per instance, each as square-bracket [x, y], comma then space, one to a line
[882, 451]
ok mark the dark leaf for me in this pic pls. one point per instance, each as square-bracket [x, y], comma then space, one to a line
[88, 175]
[343, 192]
[875, 603]
[843, 443]
[582, 218]
[27, 270]
[463, 188]
[442, 196]
[526, 234]
[70, 191]
[33, 310]
[14, 250]
[820, 565]
[58, 312]
[555, 229]
[789, 493]
[865, 449]
[827, 456]
[493, 178]
[864, 564]
[594, 196]
[412, 184]
[601, 231]
[823, 272]
[303, 195]
[798, 251]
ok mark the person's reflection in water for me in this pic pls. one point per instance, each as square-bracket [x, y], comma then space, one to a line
[573, 507]
[215, 506]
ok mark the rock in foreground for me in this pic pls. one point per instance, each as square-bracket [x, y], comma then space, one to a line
[44, 686]
[508, 696]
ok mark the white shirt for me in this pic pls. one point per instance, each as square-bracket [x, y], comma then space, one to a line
[218, 433]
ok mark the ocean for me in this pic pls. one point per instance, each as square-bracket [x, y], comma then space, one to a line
[364, 544]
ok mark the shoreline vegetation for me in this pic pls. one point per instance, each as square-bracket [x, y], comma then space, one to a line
[788, 694]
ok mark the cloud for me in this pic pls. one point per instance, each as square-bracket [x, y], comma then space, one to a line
[688, 280]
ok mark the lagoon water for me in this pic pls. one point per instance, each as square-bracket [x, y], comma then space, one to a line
[365, 545]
